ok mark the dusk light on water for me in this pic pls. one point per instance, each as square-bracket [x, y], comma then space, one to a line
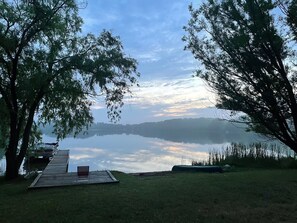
[131, 153]
[148, 111]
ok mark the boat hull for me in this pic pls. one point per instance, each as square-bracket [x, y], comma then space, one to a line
[189, 168]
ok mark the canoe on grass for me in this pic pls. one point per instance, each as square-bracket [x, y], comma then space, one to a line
[189, 168]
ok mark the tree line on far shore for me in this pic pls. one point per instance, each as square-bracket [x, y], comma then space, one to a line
[199, 130]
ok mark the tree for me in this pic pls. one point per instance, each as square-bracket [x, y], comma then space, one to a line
[50, 72]
[248, 52]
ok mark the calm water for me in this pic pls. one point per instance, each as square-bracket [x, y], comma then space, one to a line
[129, 153]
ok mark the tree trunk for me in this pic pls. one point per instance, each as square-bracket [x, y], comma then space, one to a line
[292, 145]
[25, 139]
[11, 151]
[12, 170]
[14, 159]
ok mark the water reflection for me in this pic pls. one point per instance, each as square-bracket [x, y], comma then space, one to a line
[2, 162]
[2, 166]
[132, 153]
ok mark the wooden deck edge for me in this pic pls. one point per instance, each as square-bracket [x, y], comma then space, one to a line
[35, 181]
[69, 185]
[111, 176]
[58, 164]
[75, 173]
[35, 185]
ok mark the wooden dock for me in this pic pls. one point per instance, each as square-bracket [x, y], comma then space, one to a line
[59, 163]
[56, 174]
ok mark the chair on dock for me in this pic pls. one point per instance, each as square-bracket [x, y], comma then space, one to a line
[82, 171]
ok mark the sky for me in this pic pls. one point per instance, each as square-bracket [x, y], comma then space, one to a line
[151, 31]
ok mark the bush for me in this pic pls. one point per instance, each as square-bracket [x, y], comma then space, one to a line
[254, 155]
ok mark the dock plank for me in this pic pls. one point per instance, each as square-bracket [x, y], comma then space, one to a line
[56, 175]
[59, 163]
[69, 179]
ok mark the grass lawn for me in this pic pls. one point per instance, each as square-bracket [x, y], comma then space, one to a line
[243, 196]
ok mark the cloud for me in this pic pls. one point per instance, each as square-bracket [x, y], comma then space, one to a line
[175, 98]
[163, 98]
[151, 32]
[148, 57]
[97, 106]
[177, 93]
[93, 21]
[80, 156]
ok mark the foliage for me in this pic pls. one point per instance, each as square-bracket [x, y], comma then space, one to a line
[254, 155]
[50, 72]
[246, 49]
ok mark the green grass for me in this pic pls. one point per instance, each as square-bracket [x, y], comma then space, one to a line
[243, 196]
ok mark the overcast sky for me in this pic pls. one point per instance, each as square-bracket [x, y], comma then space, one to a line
[151, 32]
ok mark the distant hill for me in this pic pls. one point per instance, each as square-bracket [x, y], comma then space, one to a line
[202, 130]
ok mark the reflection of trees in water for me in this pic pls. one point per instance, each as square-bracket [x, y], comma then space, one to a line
[2, 163]
[203, 138]
[37, 164]
[202, 131]
[2, 153]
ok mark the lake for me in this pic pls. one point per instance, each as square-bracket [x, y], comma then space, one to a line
[130, 153]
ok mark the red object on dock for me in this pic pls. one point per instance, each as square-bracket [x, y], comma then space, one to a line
[82, 170]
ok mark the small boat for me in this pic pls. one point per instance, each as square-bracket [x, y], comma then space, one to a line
[44, 151]
[190, 168]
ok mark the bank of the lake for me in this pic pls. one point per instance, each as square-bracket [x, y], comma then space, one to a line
[240, 196]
